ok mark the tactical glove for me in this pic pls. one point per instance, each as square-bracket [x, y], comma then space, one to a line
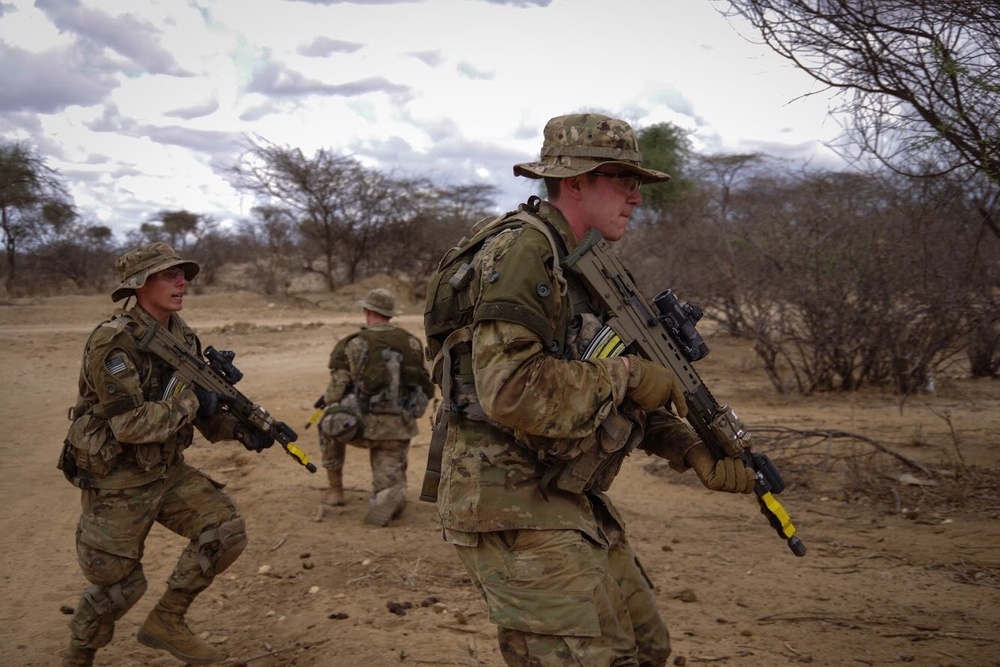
[208, 402]
[253, 439]
[651, 385]
[729, 474]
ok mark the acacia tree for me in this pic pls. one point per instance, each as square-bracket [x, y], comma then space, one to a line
[174, 227]
[270, 245]
[921, 78]
[340, 206]
[72, 249]
[437, 217]
[29, 191]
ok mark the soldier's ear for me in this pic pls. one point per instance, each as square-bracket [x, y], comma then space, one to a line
[572, 187]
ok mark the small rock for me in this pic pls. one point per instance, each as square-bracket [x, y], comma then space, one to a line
[686, 595]
[66, 609]
[264, 569]
[399, 608]
[338, 616]
[313, 590]
[680, 660]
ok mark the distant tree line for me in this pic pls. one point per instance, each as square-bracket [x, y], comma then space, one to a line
[841, 280]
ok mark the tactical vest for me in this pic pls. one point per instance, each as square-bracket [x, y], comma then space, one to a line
[90, 450]
[448, 324]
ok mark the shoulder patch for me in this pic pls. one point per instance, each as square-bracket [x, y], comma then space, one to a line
[115, 363]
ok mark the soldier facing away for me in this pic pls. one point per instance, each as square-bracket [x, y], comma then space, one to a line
[378, 388]
[536, 431]
[125, 450]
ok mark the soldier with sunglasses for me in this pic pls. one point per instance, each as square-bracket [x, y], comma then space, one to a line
[125, 452]
[537, 431]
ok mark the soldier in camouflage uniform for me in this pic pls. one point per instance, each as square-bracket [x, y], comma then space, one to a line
[378, 388]
[125, 451]
[526, 413]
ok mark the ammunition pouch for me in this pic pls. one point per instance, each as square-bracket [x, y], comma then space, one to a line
[601, 456]
[90, 449]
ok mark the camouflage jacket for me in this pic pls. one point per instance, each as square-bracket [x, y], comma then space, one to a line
[130, 423]
[540, 398]
[390, 402]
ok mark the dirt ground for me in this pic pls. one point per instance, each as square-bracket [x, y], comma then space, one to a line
[903, 562]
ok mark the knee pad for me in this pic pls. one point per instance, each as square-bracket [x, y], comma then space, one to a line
[219, 547]
[117, 598]
[93, 624]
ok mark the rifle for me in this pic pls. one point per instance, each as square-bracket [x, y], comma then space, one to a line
[218, 375]
[671, 339]
[320, 405]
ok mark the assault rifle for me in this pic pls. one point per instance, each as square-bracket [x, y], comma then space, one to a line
[670, 339]
[218, 375]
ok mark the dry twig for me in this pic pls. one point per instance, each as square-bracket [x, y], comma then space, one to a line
[833, 434]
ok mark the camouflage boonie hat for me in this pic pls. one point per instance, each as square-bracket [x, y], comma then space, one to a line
[578, 143]
[381, 301]
[136, 265]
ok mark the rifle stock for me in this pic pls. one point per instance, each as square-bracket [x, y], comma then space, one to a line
[218, 375]
[670, 339]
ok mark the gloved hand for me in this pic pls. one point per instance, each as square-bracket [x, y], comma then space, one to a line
[208, 402]
[651, 385]
[729, 474]
[253, 439]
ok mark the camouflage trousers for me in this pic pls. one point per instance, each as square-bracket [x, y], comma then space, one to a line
[388, 460]
[558, 598]
[110, 538]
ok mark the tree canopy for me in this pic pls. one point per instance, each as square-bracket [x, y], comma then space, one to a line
[921, 78]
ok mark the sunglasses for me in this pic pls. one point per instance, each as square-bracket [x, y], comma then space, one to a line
[631, 182]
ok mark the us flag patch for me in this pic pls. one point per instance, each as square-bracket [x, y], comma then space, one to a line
[115, 364]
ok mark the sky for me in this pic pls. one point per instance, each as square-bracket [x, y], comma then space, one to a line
[145, 105]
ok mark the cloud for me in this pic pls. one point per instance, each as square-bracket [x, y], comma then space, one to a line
[322, 47]
[135, 40]
[205, 108]
[276, 80]
[218, 144]
[50, 81]
[470, 72]
[429, 58]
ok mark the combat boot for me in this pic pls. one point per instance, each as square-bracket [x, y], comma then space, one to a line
[334, 495]
[79, 657]
[384, 505]
[165, 629]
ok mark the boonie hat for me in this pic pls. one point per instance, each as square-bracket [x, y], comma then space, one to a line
[135, 266]
[581, 142]
[381, 301]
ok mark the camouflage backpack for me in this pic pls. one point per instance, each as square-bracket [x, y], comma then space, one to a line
[450, 301]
